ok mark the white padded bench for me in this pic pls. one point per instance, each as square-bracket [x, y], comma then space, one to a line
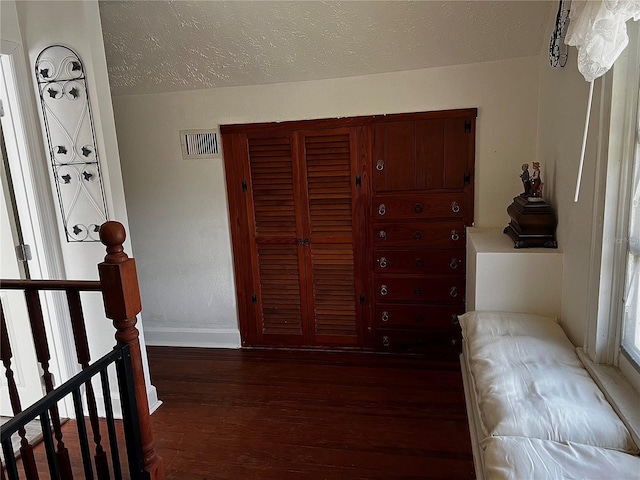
[534, 411]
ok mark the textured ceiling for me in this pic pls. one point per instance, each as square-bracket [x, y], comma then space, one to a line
[159, 46]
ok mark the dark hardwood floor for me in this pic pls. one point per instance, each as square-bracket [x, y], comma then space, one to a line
[259, 414]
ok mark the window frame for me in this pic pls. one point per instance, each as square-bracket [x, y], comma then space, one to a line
[617, 143]
[632, 355]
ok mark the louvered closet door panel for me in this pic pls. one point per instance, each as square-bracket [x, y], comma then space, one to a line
[328, 162]
[330, 220]
[273, 187]
[276, 227]
[334, 292]
[280, 299]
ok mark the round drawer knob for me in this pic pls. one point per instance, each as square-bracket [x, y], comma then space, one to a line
[380, 165]
[417, 236]
[454, 263]
[454, 235]
[453, 292]
[382, 261]
[382, 209]
[418, 292]
[385, 341]
[417, 208]
[385, 316]
[454, 342]
[383, 290]
[419, 263]
[454, 319]
[455, 207]
[419, 318]
[382, 234]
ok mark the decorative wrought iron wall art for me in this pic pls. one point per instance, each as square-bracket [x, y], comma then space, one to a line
[558, 50]
[71, 142]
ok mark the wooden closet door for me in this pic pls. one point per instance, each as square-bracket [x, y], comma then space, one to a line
[329, 168]
[275, 229]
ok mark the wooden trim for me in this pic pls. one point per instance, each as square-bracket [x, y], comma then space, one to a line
[364, 161]
[122, 303]
[470, 189]
[233, 148]
[347, 122]
[81, 285]
[307, 302]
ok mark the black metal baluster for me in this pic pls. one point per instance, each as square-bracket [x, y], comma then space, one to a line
[73, 387]
[10, 460]
[52, 456]
[130, 416]
[111, 426]
[82, 434]
[84, 357]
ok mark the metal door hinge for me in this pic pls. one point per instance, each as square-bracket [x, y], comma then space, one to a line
[467, 126]
[244, 186]
[254, 299]
[23, 252]
[358, 181]
[362, 298]
[467, 178]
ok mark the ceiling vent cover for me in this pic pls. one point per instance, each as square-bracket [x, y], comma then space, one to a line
[199, 144]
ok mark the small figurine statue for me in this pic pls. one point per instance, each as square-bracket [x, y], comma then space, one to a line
[526, 180]
[536, 181]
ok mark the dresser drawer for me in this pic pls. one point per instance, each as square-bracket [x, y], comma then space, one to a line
[419, 234]
[435, 261]
[416, 206]
[431, 341]
[417, 316]
[439, 289]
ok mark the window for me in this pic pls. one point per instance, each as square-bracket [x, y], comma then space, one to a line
[614, 300]
[612, 348]
[631, 313]
[623, 341]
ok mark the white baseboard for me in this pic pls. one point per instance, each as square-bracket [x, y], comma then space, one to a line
[192, 337]
[152, 396]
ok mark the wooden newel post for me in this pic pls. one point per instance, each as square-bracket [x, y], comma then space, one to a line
[122, 303]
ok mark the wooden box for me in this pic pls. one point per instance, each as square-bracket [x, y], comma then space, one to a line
[533, 223]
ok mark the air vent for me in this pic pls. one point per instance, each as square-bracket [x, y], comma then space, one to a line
[199, 144]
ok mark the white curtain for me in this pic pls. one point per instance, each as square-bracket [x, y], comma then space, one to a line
[598, 28]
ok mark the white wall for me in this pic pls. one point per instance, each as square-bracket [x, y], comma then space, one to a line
[9, 27]
[563, 106]
[178, 208]
[77, 25]
[530, 279]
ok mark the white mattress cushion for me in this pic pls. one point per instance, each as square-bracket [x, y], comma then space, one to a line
[518, 458]
[529, 382]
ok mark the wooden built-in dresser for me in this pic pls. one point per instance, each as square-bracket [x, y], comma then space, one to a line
[350, 232]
